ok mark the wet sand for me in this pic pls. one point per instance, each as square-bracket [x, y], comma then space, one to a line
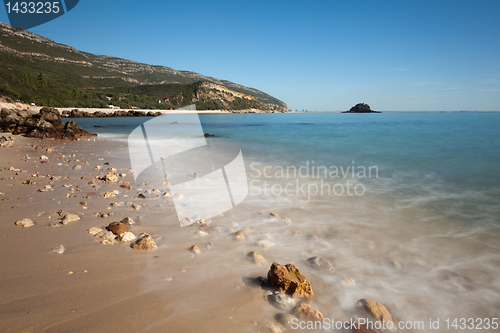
[93, 287]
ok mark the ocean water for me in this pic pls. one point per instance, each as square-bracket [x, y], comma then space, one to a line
[406, 205]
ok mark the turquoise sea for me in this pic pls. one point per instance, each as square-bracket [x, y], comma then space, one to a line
[421, 232]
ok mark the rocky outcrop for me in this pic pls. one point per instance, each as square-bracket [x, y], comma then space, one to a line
[75, 113]
[361, 108]
[289, 280]
[44, 124]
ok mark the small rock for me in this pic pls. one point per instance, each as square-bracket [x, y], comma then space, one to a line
[77, 167]
[94, 231]
[84, 204]
[321, 264]
[256, 258]
[109, 194]
[348, 282]
[111, 177]
[141, 196]
[106, 235]
[126, 237]
[128, 221]
[376, 310]
[25, 223]
[305, 310]
[117, 228]
[71, 218]
[145, 242]
[195, 249]
[274, 214]
[59, 250]
[282, 301]
[265, 244]
[6, 142]
[43, 157]
[238, 235]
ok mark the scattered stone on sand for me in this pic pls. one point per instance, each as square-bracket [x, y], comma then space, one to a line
[141, 196]
[321, 264]
[117, 228]
[6, 142]
[44, 158]
[195, 249]
[377, 310]
[265, 244]
[25, 223]
[77, 167]
[59, 250]
[274, 214]
[122, 175]
[348, 282]
[137, 207]
[282, 301]
[84, 204]
[106, 235]
[209, 245]
[128, 221]
[238, 235]
[111, 177]
[256, 258]
[110, 169]
[201, 233]
[126, 237]
[94, 231]
[305, 311]
[71, 218]
[125, 186]
[145, 242]
[288, 279]
[109, 194]
[107, 241]
[167, 195]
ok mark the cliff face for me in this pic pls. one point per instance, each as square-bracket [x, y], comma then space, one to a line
[30, 53]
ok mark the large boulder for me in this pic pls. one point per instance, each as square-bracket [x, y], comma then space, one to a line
[289, 280]
[51, 115]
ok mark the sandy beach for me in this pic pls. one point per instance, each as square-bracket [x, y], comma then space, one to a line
[93, 287]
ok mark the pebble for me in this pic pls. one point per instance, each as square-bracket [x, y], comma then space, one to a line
[71, 218]
[77, 167]
[195, 249]
[265, 244]
[109, 194]
[256, 258]
[117, 228]
[145, 242]
[94, 231]
[201, 233]
[126, 237]
[321, 264]
[238, 235]
[59, 250]
[25, 223]
[128, 221]
[282, 301]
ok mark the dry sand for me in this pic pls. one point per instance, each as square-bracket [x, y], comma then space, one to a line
[93, 287]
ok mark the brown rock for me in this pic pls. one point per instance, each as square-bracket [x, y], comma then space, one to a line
[377, 310]
[145, 242]
[117, 228]
[195, 249]
[288, 279]
[305, 310]
[238, 235]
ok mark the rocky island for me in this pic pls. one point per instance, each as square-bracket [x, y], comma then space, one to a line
[361, 108]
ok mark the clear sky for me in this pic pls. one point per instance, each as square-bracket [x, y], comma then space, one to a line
[399, 55]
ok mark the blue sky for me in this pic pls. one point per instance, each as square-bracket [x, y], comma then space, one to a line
[319, 55]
